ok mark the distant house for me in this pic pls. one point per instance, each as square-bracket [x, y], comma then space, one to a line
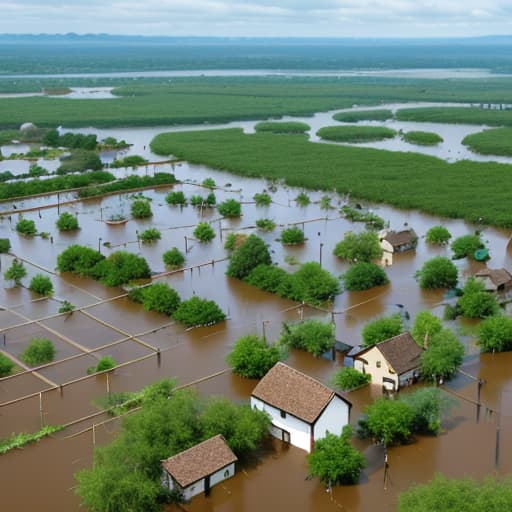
[393, 363]
[302, 409]
[396, 241]
[199, 468]
[495, 280]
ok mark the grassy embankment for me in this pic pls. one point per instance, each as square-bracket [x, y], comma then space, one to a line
[355, 133]
[381, 114]
[282, 127]
[422, 138]
[456, 115]
[406, 180]
[497, 141]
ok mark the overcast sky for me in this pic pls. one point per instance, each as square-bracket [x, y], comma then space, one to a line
[316, 18]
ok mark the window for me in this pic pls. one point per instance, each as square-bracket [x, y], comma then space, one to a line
[377, 364]
[226, 473]
[283, 414]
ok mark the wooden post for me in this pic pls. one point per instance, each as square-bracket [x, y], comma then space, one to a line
[41, 415]
[108, 383]
[93, 435]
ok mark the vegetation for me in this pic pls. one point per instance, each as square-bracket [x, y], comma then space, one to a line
[66, 307]
[79, 160]
[176, 198]
[425, 326]
[495, 334]
[119, 268]
[265, 224]
[203, 202]
[21, 440]
[197, 312]
[70, 140]
[359, 247]
[159, 297]
[252, 252]
[302, 199]
[292, 236]
[209, 183]
[325, 203]
[234, 240]
[6, 366]
[438, 235]
[363, 276]
[476, 302]
[422, 138]
[204, 232]
[129, 161]
[16, 272]
[105, 363]
[381, 329]
[355, 133]
[371, 220]
[312, 336]
[490, 142]
[5, 245]
[466, 245]
[262, 199]
[335, 461]
[41, 284]
[252, 357]
[355, 116]
[438, 272]
[230, 208]
[442, 357]
[173, 258]
[348, 378]
[150, 235]
[282, 127]
[78, 259]
[38, 351]
[141, 209]
[26, 227]
[67, 222]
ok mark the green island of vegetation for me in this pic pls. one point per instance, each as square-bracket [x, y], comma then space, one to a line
[282, 127]
[490, 142]
[456, 115]
[381, 114]
[355, 133]
[405, 180]
[422, 138]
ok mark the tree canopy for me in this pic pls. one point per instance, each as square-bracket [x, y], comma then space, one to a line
[495, 334]
[357, 247]
[363, 276]
[252, 252]
[311, 335]
[438, 272]
[425, 326]
[442, 357]
[382, 329]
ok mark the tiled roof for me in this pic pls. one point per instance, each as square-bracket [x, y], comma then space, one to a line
[398, 238]
[292, 391]
[498, 276]
[201, 460]
[401, 352]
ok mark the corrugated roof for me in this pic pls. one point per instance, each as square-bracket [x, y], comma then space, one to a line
[292, 391]
[499, 276]
[201, 460]
[398, 238]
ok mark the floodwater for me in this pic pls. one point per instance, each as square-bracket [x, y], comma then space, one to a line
[80, 93]
[111, 325]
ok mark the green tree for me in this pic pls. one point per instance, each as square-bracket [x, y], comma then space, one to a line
[348, 378]
[302, 199]
[16, 272]
[41, 284]
[363, 276]
[311, 335]
[476, 302]
[51, 138]
[252, 357]
[209, 183]
[268, 277]
[5, 245]
[176, 198]
[438, 235]
[204, 232]
[197, 312]
[425, 326]
[335, 461]
[357, 247]
[262, 199]
[265, 224]
[495, 334]
[230, 208]
[438, 272]
[292, 236]
[173, 258]
[442, 357]
[105, 363]
[26, 227]
[160, 297]
[313, 284]
[78, 259]
[38, 351]
[150, 235]
[6, 365]
[466, 246]
[141, 209]
[251, 253]
[120, 268]
[382, 329]
[67, 222]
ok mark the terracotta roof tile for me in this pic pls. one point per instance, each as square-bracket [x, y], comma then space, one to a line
[498, 276]
[292, 391]
[401, 352]
[398, 238]
[201, 460]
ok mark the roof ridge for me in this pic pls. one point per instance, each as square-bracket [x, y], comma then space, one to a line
[196, 445]
[309, 377]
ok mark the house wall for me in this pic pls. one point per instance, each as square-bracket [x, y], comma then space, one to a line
[373, 356]
[404, 377]
[300, 431]
[334, 417]
[488, 284]
[194, 489]
[219, 476]
[387, 254]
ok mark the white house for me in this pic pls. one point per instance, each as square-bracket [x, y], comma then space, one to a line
[495, 280]
[392, 363]
[301, 408]
[199, 468]
[396, 241]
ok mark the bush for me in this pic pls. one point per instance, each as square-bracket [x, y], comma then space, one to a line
[209, 183]
[442, 357]
[267, 277]
[313, 284]
[196, 312]
[204, 232]
[150, 235]
[363, 276]
[495, 334]
[425, 326]
[438, 235]
[41, 284]
[67, 222]
[262, 199]
[265, 224]
[80, 160]
[16, 272]
[173, 258]
[476, 302]
[234, 241]
[160, 297]
[78, 259]
[382, 329]
[312, 336]
[349, 378]
[371, 220]
[5, 245]
[438, 272]
[230, 208]
[252, 357]
[26, 227]
[251, 253]
[302, 199]
[292, 236]
[6, 365]
[176, 198]
[105, 363]
[129, 161]
[38, 351]
[141, 209]
[66, 307]
[466, 246]
[357, 247]
[120, 268]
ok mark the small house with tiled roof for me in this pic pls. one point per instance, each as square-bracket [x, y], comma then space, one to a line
[301, 408]
[392, 363]
[495, 280]
[396, 241]
[199, 468]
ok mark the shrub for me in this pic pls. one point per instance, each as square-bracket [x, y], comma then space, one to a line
[251, 253]
[371, 220]
[67, 222]
[129, 161]
[382, 329]
[26, 227]
[292, 236]
[438, 235]
[313, 284]
[349, 378]
[120, 268]
[5, 245]
[211, 200]
[302, 199]
[209, 183]
[197, 312]
[66, 307]
[230, 208]
[105, 363]
[325, 203]
[425, 326]
[312, 336]
[160, 297]
[204, 232]
[359, 247]
[363, 276]
[252, 357]
[234, 241]
[6, 366]
[466, 246]
[41, 284]
[16, 272]
[262, 199]
[173, 258]
[438, 272]
[150, 235]
[38, 351]
[476, 302]
[176, 198]
[80, 160]
[267, 277]
[141, 209]
[265, 224]
[78, 259]
[442, 357]
[495, 334]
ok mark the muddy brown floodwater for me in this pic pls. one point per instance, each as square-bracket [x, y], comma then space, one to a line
[151, 346]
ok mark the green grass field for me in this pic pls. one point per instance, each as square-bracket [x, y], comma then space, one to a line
[422, 138]
[497, 141]
[475, 191]
[282, 127]
[355, 133]
[380, 114]
[456, 115]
